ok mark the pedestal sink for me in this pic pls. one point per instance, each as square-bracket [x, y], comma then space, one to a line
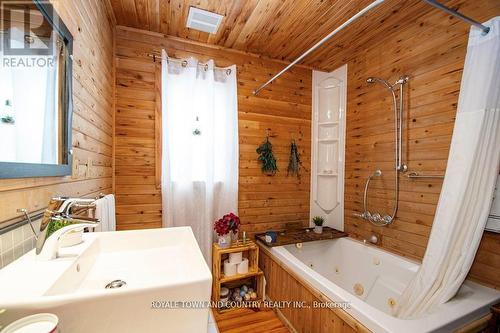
[157, 281]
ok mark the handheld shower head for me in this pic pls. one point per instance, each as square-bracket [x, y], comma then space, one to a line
[373, 79]
[377, 173]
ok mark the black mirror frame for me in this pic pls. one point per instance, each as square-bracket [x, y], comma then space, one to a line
[10, 170]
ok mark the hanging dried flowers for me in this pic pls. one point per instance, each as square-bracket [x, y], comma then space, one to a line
[266, 158]
[294, 163]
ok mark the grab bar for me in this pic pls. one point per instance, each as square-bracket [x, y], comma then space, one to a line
[414, 175]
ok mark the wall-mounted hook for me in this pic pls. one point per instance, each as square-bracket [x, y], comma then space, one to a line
[270, 134]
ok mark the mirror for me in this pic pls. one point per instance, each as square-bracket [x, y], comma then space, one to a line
[35, 91]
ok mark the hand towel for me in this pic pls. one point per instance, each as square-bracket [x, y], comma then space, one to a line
[102, 214]
[110, 198]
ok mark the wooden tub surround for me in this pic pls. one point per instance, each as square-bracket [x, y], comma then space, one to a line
[284, 285]
[301, 235]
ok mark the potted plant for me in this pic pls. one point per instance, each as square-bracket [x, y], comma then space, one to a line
[226, 227]
[318, 224]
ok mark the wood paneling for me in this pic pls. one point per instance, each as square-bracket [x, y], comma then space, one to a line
[91, 23]
[285, 29]
[398, 37]
[264, 202]
[282, 285]
[249, 321]
[431, 49]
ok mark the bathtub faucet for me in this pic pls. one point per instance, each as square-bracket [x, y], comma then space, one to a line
[373, 239]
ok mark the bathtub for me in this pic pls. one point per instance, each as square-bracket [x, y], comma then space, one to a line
[370, 281]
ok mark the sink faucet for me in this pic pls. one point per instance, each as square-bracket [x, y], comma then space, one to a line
[47, 244]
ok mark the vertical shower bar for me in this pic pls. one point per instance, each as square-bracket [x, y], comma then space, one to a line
[402, 81]
[400, 129]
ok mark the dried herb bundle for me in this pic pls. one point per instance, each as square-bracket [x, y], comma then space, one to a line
[294, 163]
[266, 158]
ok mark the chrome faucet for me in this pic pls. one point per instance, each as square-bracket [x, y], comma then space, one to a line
[47, 244]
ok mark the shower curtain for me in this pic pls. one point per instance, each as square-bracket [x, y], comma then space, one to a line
[471, 172]
[200, 146]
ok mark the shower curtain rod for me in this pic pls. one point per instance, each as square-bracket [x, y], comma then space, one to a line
[374, 4]
[467, 19]
[321, 42]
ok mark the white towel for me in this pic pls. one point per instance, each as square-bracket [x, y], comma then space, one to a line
[110, 198]
[102, 214]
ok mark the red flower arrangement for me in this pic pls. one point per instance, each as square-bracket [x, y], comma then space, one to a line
[229, 222]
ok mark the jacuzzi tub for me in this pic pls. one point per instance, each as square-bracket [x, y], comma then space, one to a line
[371, 280]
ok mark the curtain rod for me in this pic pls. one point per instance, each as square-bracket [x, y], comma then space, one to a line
[374, 4]
[455, 13]
[321, 42]
[184, 63]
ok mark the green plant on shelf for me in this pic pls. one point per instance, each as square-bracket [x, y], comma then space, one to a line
[318, 221]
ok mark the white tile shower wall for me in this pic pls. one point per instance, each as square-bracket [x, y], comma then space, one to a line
[15, 243]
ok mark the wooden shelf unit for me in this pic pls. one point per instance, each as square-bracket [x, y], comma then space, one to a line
[251, 252]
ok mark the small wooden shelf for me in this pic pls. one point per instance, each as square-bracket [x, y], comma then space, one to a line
[224, 279]
[301, 236]
[255, 276]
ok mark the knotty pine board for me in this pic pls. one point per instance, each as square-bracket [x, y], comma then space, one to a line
[264, 202]
[431, 49]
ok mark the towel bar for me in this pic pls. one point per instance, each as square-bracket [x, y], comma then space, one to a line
[415, 175]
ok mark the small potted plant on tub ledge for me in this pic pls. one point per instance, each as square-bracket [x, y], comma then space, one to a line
[318, 224]
[226, 227]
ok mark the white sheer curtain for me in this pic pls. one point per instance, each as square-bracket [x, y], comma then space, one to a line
[200, 146]
[466, 196]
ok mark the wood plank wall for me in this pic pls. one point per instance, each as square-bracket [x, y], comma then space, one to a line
[91, 23]
[264, 202]
[431, 49]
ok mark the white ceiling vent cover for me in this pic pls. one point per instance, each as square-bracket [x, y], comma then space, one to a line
[203, 20]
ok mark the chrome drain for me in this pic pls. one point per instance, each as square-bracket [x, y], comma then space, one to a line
[115, 284]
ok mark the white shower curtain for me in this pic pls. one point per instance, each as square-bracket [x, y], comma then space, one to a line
[466, 196]
[200, 146]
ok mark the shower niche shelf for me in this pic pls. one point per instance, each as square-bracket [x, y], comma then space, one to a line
[328, 152]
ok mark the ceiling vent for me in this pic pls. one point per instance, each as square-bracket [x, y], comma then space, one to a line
[203, 20]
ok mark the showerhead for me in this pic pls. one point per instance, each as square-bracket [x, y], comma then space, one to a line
[377, 173]
[372, 79]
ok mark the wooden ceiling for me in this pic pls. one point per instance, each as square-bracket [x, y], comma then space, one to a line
[282, 29]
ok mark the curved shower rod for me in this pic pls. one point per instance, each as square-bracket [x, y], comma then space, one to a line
[374, 4]
[321, 42]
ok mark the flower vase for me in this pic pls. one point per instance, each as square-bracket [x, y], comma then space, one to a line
[224, 241]
[318, 229]
[234, 236]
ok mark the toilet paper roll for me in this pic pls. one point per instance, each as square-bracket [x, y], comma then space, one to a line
[235, 258]
[243, 266]
[230, 269]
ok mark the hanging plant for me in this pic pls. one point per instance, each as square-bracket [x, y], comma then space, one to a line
[266, 158]
[294, 163]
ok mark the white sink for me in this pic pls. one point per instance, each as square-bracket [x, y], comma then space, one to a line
[158, 265]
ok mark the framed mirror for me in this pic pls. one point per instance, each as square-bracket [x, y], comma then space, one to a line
[35, 91]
